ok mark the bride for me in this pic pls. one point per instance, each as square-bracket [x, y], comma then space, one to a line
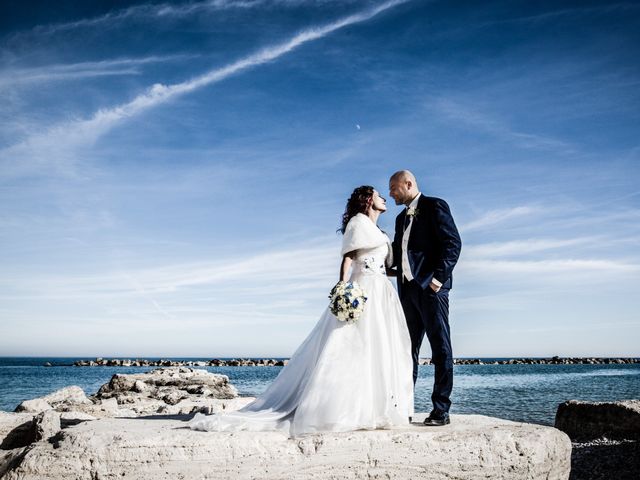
[344, 376]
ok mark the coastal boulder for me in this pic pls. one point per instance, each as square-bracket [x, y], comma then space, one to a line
[35, 405]
[62, 399]
[46, 425]
[139, 386]
[72, 395]
[591, 420]
[180, 378]
[472, 447]
[168, 391]
[19, 430]
[14, 430]
[10, 458]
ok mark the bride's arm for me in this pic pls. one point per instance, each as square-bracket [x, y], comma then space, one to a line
[390, 262]
[345, 266]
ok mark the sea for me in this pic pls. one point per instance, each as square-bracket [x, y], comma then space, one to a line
[524, 393]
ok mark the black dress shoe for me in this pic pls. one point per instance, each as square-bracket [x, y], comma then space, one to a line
[410, 419]
[437, 420]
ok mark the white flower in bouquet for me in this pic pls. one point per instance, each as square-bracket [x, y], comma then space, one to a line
[347, 301]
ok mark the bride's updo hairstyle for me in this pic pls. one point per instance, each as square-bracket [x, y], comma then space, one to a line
[358, 202]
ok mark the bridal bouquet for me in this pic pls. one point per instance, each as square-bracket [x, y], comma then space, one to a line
[347, 301]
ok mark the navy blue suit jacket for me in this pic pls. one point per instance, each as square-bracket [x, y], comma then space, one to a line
[434, 243]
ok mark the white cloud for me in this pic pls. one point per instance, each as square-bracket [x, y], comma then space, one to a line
[208, 303]
[494, 217]
[485, 123]
[522, 247]
[566, 266]
[570, 13]
[265, 273]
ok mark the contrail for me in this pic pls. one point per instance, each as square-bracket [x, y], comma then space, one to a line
[121, 66]
[56, 141]
[158, 93]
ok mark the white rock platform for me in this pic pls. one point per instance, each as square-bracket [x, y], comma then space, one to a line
[160, 447]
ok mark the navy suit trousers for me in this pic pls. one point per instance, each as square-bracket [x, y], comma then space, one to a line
[428, 312]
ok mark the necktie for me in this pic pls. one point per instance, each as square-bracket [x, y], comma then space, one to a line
[407, 219]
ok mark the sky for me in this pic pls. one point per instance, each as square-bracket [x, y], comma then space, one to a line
[172, 174]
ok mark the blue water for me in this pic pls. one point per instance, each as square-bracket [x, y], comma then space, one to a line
[529, 393]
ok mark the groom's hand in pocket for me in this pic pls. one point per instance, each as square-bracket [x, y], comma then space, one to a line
[435, 285]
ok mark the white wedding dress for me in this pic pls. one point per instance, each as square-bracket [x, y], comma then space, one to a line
[343, 376]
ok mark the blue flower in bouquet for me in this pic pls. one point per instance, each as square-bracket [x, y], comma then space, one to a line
[347, 300]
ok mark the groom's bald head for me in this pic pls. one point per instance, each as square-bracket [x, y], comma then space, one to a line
[403, 187]
[403, 176]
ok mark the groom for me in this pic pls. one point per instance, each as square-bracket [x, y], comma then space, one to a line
[426, 247]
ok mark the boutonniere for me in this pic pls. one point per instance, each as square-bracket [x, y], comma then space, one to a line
[412, 212]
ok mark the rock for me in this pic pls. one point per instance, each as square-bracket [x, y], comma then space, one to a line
[10, 458]
[118, 383]
[61, 399]
[586, 420]
[472, 447]
[198, 389]
[15, 430]
[36, 405]
[46, 425]
[167, 391]
[10, 420]
[19, 430]
[109, 407]
[180, 378]
[207, 406]
[72, 395]
[139, 386]
[109, 404]
[173, 397]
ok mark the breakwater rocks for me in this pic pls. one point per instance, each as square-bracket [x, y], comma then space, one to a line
[270, 362]
[240, 362]
[541, 361]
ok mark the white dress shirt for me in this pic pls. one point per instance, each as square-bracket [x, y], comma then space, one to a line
[406, 268]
